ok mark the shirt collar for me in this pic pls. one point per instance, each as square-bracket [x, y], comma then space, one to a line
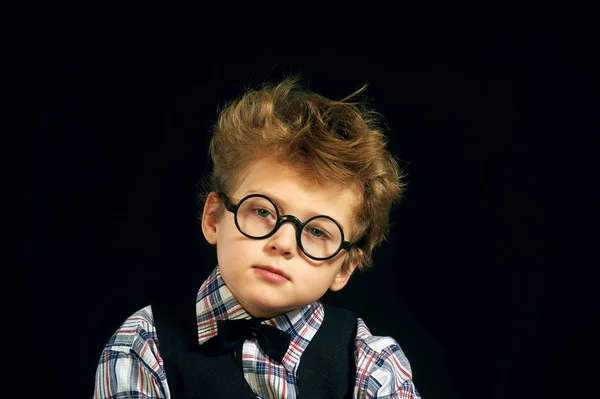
[216, 302]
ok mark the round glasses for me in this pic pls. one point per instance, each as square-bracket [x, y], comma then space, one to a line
[256, 216]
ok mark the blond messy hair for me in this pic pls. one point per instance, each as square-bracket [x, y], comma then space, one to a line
[334, 142]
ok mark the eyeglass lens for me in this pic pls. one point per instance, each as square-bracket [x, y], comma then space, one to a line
[257, 217]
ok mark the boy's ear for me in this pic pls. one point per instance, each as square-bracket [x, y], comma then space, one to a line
[210, 221]
[342, 277]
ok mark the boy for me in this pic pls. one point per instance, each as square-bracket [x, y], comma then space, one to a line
[301, 192]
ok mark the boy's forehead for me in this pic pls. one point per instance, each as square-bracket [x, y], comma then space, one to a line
[293, 186]
[332, 198]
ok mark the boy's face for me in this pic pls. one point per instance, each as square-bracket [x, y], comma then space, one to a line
[243, 261]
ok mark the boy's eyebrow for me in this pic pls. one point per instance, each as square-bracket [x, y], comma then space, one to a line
[279, 202]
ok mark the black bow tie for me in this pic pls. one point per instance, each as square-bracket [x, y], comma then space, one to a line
[271, 340]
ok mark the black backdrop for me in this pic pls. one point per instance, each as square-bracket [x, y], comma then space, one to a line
[124, 98]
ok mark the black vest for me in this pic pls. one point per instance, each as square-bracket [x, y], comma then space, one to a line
[327, 368]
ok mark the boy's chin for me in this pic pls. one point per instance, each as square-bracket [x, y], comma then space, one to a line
[266, 313]
[267, 310]
[261, 306]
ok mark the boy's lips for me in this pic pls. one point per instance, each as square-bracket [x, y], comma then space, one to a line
[273, 270]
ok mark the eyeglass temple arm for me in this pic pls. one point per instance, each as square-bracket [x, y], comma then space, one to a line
[347, 245]
[228, 205]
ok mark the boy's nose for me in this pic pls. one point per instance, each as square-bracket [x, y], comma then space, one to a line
[284, 240]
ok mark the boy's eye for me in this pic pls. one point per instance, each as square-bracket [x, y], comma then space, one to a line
[263, 213]
[317, 233]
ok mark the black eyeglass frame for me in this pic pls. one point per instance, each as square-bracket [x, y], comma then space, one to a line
[347, 245]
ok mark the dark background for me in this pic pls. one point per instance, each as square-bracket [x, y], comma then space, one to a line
[121, 98]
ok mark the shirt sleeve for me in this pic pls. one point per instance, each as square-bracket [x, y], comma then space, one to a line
[130, 365]
[382, 369]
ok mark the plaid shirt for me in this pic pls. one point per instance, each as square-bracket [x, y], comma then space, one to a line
[131, 366]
